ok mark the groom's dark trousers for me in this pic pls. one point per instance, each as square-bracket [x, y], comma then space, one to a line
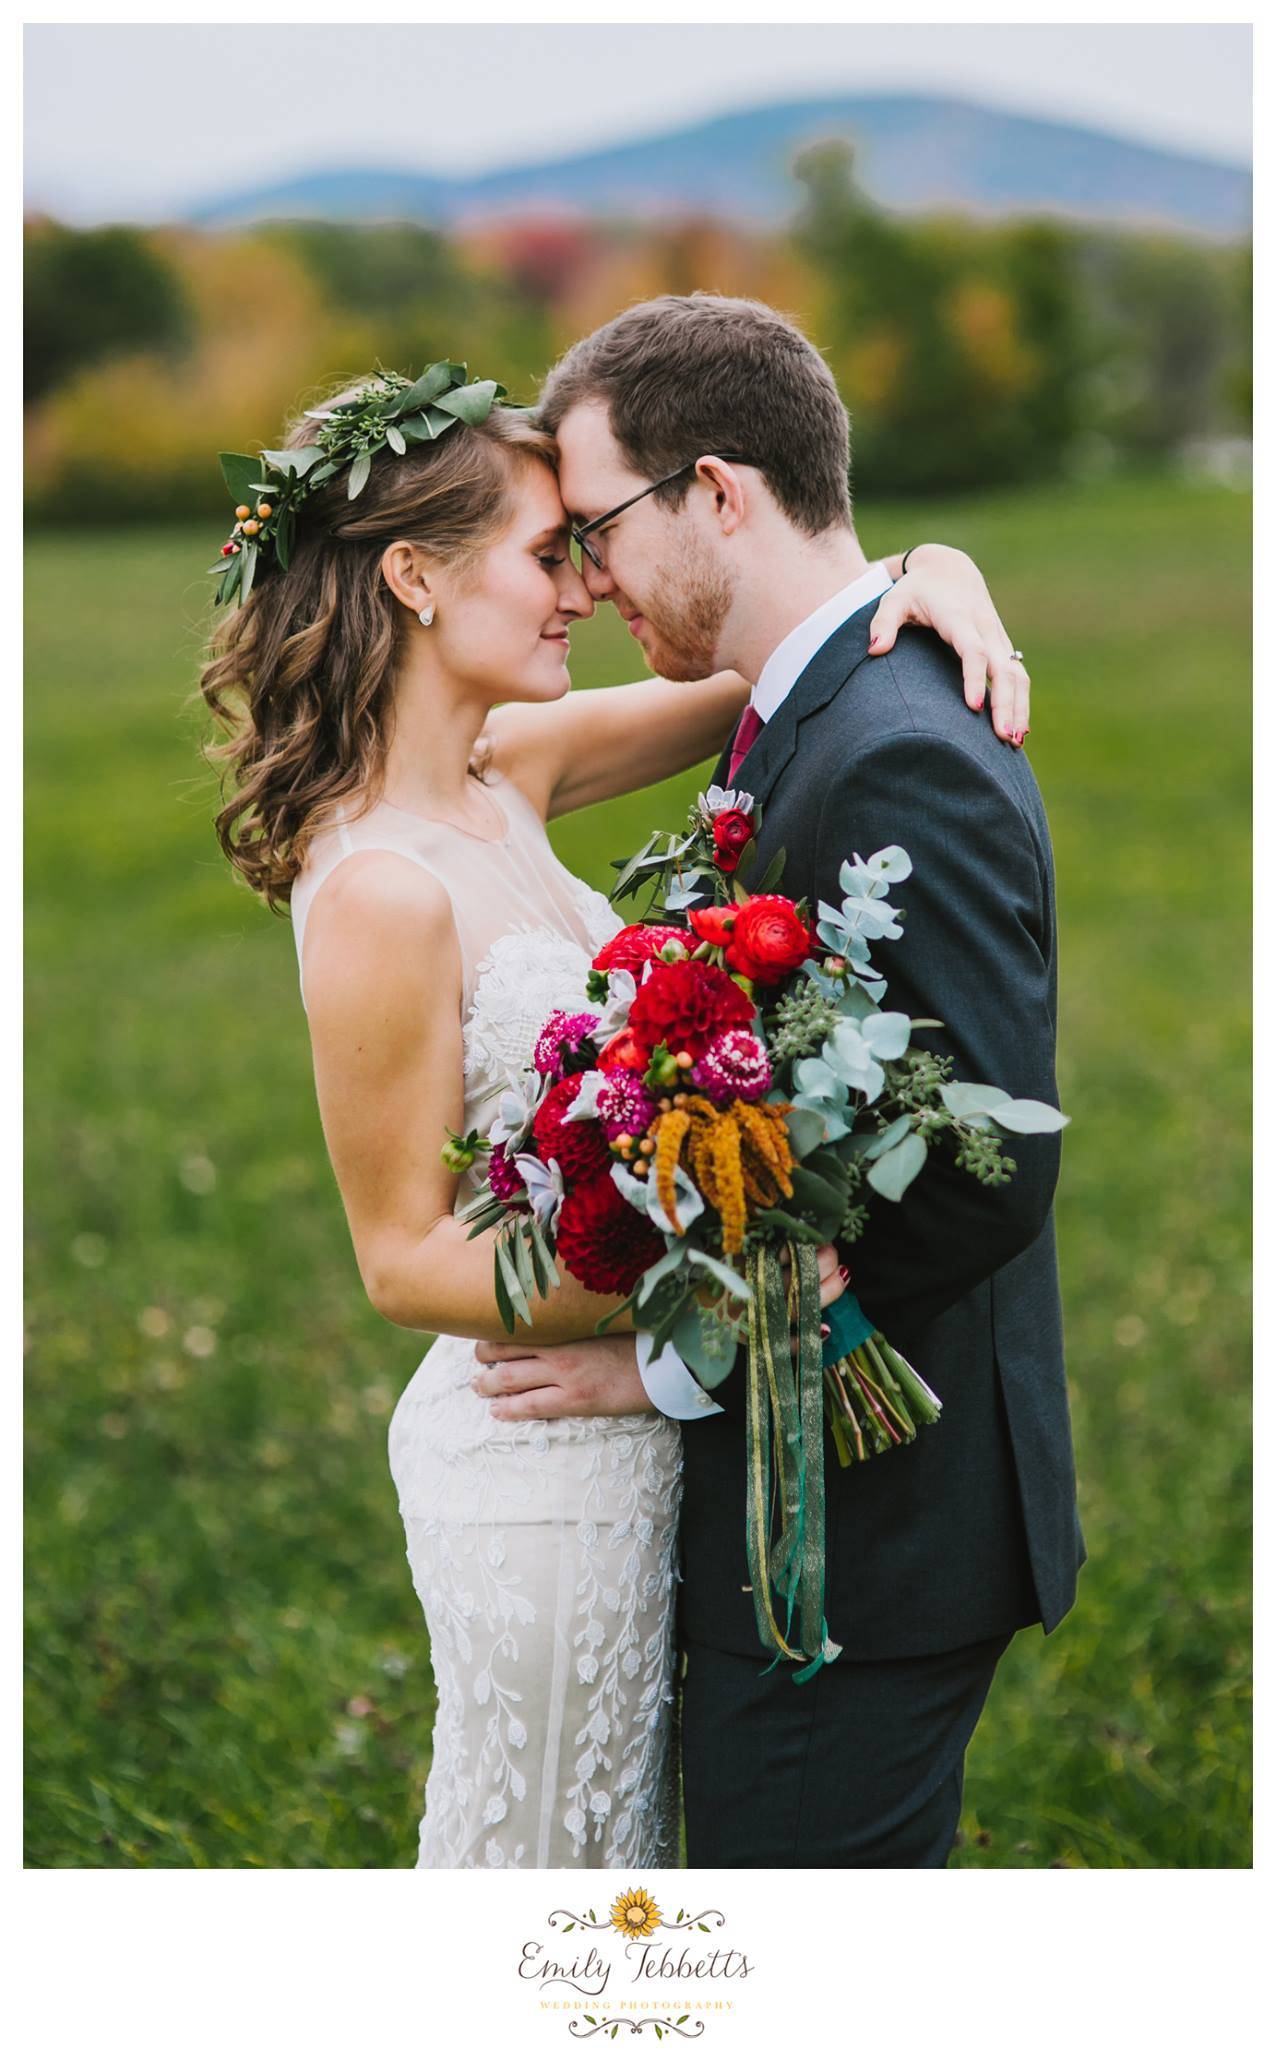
[936, 1552]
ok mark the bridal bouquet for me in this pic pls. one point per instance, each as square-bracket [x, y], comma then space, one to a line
[730, 1095]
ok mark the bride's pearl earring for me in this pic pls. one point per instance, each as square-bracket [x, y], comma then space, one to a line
[426, 615]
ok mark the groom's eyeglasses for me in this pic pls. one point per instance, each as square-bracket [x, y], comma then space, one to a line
[580, 534]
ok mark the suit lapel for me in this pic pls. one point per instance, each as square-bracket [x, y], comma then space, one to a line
[821, 679]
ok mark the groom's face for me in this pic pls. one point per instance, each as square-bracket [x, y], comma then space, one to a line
[660, 570]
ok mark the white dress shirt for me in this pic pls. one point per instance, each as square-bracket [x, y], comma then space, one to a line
[670, 1386]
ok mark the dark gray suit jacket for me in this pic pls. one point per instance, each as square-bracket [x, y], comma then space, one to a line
[973, 1529]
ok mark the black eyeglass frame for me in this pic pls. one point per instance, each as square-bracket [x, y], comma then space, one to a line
[580, 534]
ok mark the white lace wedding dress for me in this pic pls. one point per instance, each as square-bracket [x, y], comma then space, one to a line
[543, 1553]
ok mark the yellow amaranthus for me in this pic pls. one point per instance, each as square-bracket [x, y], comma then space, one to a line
[739, 1157]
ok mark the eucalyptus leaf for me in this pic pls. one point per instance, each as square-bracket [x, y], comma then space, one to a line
[652, 1278]
[735, 1283]
[806, 1130]
[886, 1034]
[817, 1201]
[784, 1225]
[1028, 1117]
[892, 864]
[886, 1140]
[897, 1169]
[666, 1306]
[396, 440]
[360, 470]
[248, 570]
[969, 1098]
[704, 1345]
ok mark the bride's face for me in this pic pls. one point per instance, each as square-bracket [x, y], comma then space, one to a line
[503, 622]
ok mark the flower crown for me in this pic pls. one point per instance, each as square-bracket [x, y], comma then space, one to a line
[391, 412]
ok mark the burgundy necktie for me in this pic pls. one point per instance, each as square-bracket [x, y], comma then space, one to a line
[745, 733]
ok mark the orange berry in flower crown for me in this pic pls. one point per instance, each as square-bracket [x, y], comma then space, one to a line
[241, 511]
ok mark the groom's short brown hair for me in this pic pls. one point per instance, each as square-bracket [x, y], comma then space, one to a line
[704, 375]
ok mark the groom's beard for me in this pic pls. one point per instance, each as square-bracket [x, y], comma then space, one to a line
[685, 623]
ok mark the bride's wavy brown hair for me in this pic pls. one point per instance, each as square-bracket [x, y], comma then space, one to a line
[301, 677]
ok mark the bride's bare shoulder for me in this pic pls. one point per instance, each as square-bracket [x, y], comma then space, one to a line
[379, 921]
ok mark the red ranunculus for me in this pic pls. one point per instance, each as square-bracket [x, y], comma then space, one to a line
[686, 1006]
[715, 925]
[769, 940]
[636, 944]
[625, 1049]
[602, 1240]
[580, 1148]
[732, 831]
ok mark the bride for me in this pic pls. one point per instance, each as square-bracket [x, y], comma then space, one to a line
[394, 690]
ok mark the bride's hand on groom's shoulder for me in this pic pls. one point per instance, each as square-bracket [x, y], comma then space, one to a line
[944, 590]
[594, 1376]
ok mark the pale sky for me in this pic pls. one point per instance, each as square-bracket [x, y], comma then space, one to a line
[144, 121]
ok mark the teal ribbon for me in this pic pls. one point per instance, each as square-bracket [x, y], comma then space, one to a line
[849, 1327]
[795, 1561]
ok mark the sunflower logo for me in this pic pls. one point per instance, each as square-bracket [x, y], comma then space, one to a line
[635, 1913]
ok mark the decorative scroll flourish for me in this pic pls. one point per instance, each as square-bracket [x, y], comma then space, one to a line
[684, 2029]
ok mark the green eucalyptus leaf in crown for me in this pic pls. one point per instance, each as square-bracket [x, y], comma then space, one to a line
[388, 416]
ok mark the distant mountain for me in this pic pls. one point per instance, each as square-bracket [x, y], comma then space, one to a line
[915, 154]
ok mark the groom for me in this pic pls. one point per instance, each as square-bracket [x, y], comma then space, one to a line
[745, 556]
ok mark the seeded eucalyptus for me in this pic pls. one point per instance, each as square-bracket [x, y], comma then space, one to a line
[390, 415]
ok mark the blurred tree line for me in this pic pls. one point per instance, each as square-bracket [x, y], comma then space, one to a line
[968, 352]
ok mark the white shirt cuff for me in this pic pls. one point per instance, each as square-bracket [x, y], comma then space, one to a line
[670, 1386]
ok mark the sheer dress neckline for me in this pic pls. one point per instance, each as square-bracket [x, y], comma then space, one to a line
[420, 818]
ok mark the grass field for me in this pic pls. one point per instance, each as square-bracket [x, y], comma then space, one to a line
[227, 1664]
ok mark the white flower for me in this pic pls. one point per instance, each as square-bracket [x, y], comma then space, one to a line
[587, 1669]
[494, 1811]
[544, 1184]
[621, 990]
[643, 1196]
[586, 1103]
[516, 1109]
[714, 799]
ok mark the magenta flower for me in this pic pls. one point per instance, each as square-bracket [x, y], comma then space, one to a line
[558, 1047]
[624, 1106]
[735, 1064]
[504, 1178]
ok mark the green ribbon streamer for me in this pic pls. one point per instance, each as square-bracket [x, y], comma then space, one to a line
[793, 1406]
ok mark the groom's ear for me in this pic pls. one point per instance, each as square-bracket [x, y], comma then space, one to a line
[727, 485]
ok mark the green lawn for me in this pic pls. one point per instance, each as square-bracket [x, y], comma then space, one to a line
[227, 1664]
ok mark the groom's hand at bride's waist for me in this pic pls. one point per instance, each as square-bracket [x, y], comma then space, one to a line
[594, 1376]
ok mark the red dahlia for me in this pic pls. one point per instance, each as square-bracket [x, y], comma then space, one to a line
[604, 1242]
[637, 943]
[580, 1148]
[687, 1005]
